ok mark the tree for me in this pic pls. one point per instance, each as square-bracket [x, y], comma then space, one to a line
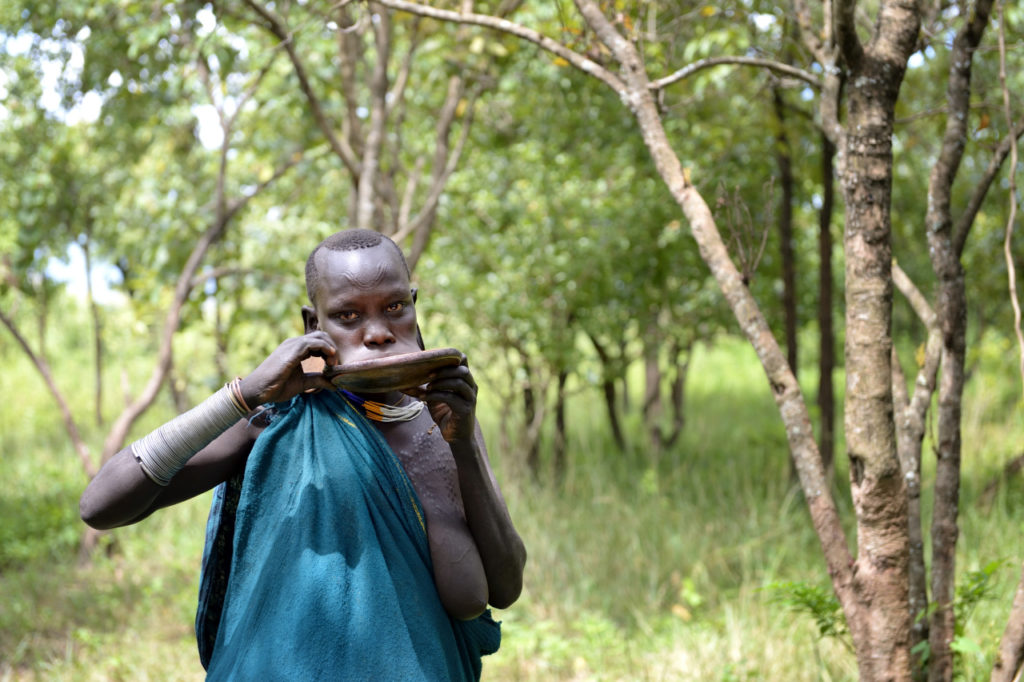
[565, 277]
[184, 169]
[862, 73]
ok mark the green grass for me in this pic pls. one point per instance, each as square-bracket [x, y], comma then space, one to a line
[641, 567]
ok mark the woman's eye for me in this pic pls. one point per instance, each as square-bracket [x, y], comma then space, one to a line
[396, 307]
[346, 316]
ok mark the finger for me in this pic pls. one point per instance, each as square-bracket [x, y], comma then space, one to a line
[459, 387]
[460, 372]
[450, 402]
[318, 344]
[316, 380]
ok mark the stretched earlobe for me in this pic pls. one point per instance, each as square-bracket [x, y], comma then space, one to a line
[415, 292]
[309, 319]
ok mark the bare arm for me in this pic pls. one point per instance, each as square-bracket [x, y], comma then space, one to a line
[121, 493]
[501, 549]
[497, 548]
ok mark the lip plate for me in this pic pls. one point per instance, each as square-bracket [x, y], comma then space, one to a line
[394, 372]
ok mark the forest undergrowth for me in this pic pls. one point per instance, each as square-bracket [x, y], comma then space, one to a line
[687, 565]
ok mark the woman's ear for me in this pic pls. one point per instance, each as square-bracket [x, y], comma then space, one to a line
[415, 293]
[309, 319]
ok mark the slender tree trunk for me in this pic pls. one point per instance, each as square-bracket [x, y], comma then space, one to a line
[533, 414]
[681, 368]
[951, 310]
[43, 367]
[910, 414]
[220, 353]
[561, 434]
[627, 399]
[876, 480]
[178, 396]
[1008, 663]
[783, 159]
[611, 402]
[97, 326]
[826, 334]
[652, 406]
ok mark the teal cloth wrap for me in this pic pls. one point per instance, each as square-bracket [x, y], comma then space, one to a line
[323, 571]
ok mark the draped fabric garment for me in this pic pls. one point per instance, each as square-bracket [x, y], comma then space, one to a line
[323, 571]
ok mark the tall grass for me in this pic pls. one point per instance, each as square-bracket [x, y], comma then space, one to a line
[642, 566]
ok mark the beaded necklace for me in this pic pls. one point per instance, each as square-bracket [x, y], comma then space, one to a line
[382, 412]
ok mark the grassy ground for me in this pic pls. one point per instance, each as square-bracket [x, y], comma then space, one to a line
[641, 567]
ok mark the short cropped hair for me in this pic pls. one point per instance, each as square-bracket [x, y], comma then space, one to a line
[347, 240]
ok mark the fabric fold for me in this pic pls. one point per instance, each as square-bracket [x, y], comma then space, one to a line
[317, 565]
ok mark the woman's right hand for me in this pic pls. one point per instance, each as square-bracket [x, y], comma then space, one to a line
[281, 377]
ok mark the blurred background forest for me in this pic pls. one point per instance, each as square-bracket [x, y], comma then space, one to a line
[166, 167]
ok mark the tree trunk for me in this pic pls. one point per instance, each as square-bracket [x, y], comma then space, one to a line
[1008, 663]
[876, 480]
[533, 415]
[97, 327]
[910, 412]
[220, 353]
[652, 407]
[951, 310]
[43, 367]
[681, 370]
[826, 335]
[558, 452]
[176, 386]
[611, 405]
[785, 224]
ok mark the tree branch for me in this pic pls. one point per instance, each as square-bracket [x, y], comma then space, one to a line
[819, 48]
[43, 367]
[340, 146]
[505, 26]
[963, 225]
[378, 116]
[119, 430]
[350, 52]
[700, 65]
[445, 162]
[844, 29]
[786, 391]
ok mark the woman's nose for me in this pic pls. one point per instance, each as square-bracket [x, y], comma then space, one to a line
[378, 333]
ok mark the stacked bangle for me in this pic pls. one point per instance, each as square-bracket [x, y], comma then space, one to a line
[235, 386]
[164, 452]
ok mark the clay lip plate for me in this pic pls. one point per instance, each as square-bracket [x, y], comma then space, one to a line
[392, 373]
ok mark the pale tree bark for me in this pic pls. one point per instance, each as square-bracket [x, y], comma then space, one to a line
[1008, 663]
[875, 72]
[1011, 646]
[910, 413]
[951, 311]
[97, 323]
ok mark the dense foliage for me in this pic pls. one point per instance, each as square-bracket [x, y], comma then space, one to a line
[189, 155]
